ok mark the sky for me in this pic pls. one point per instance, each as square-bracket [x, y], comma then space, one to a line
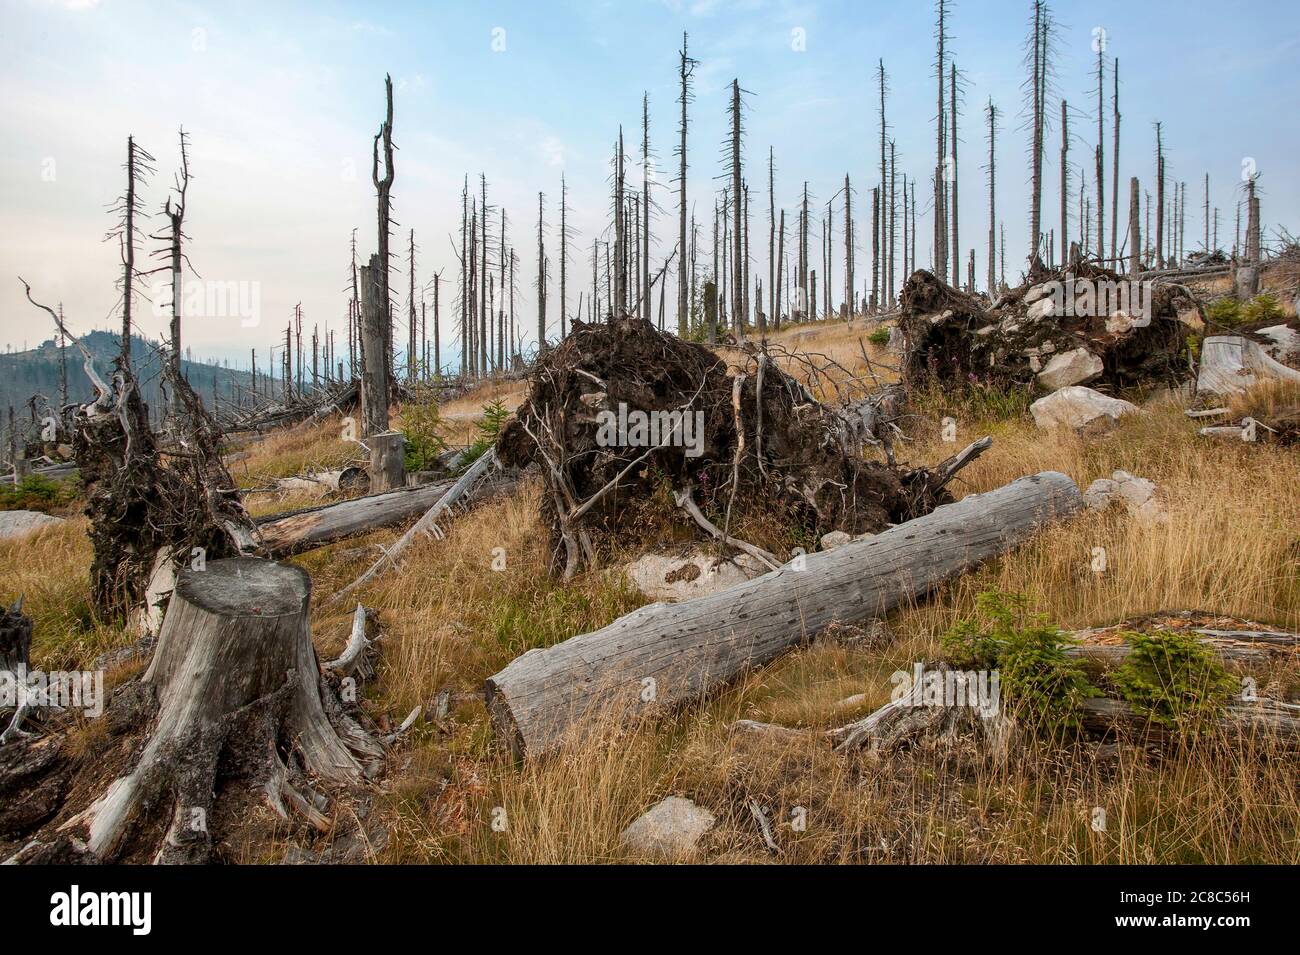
[281, 101]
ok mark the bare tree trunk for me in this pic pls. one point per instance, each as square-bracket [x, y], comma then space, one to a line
[771, 225]
[620, 239]
[738, 198]
[374, 374]
[1160, 200]
[993, 178]
[1100, 172]
[564, 255]
[685, 69]
[1037, 81]
[940, 172]
[690, 649]
[1065, 186]
[1114, 172]
[878, 206]
[645, 207]
[875, 247]
[384, 184]
[848, 243]
[1134, 227]
[541, 281]
[952, 178]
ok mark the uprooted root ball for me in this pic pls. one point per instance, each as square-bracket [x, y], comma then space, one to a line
[617, 409]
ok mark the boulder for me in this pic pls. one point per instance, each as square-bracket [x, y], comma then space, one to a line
[835, 539]
[1081, 408]
[1285, 339]
[15, 525]
[670, 829]
[668, 579]
[1074, 367]
[1139, 495]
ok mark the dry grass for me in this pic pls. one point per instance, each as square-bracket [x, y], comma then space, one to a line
[1230, 546]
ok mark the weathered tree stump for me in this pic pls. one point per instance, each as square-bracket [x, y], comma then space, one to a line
[387, 461]
[236, 683]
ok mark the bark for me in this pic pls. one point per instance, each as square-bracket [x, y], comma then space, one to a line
[690, 649]
[292, 533]
[374, 369]
[387, 461]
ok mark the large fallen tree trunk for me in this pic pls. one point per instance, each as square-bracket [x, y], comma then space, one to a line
[286, 534]
[297, 531]
[686, 650]
[236, 693]
[1267, 718]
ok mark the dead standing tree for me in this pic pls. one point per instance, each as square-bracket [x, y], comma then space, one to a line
[383, 186]
[139, 166]
[1038, 59]
[685, 70]
[175, 236]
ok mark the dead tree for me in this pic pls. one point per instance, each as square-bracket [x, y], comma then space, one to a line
[645, 208]
[878, 195]
[1065, 186]
[411, 329]
[690, 649]
[383, 187]
[147, 518]
[139, 166]
[1038, 58]
[541, 276]
[175, 237]
[1160, 200]
[992, 112]
[952, 175]
[940, 163]
[564, 255]
[1134, 227]
[619, 306]
[1114, 169]
[737, 237]
[685, 70]
[1100, 171]
[387, 468]
[848, 244]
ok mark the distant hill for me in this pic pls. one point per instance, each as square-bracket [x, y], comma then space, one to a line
[36, 371]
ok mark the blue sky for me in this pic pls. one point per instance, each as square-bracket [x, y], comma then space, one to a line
[282, 99]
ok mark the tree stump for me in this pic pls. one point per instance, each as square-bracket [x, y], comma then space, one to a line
[236, 683]
[387, 461]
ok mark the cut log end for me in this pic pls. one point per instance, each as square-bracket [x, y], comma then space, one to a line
[247, 587]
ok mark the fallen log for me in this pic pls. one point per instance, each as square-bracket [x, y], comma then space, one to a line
[463, 490]
[665, 655]
[1263, 716]
[297, 531]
